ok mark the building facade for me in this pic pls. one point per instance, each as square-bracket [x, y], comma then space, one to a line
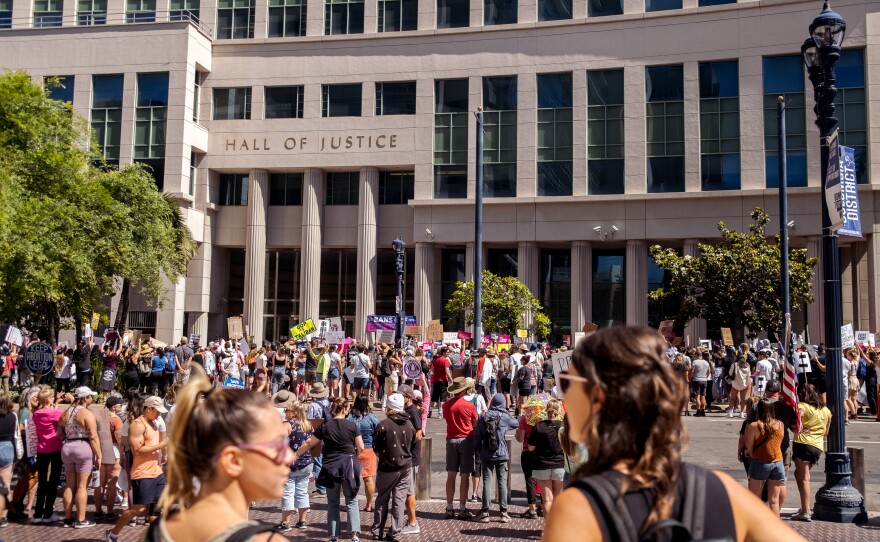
[302, 136]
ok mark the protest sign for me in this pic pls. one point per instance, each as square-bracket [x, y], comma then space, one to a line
[14, 336]
[412, 369]
[522, 333]
[705, 343]
[589, 327]
[336, 323]
[561, 361]
[727, 336]
[385, 336]
[434, 331]
[412, 331]
[375, 322]
[38, 357]
[666, 329]
[464, 335]
[323, 327]
[234, 327]
[578, 335]
[847, 336]
[865, 337]
[233, 383]
[334, 337]
[803, 363]
[95, 319]
[301, 330]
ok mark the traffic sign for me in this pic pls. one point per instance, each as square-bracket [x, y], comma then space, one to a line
[39, 357]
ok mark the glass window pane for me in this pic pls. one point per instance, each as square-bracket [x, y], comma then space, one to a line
[554, 90]
[664, 83]
[499, 93]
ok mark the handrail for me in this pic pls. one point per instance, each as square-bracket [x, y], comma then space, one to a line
[103, 18]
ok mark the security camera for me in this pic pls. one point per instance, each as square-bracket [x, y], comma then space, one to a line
[428, 232]
[791, 224]
[597, 229]
[614, 228]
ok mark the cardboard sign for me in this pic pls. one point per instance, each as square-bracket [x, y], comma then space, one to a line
[434, 331]
[847, 336]
[39, 358]
[666, 329]
[589, 327]
[385, 336]
[865, 337]
[803, 363]
[412, 331]
[301, 330]
[726, 336]
[561, 361]
[234, 327]
[334, 337]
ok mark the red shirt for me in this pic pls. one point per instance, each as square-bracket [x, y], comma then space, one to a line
[461, 417]
[439, 365]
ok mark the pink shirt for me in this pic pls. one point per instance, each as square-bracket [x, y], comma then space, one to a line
[45, 421]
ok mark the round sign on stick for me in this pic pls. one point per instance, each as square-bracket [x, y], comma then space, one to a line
[412, 369]
[39, 357]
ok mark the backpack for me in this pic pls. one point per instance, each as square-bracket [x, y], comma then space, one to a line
[145, 365]
[863, 369]
[490, 436]
[616, 516]
[242, 534]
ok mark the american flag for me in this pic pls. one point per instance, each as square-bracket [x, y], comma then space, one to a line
[789, 379]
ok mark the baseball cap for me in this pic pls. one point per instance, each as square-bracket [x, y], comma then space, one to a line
[405, 390]
[773, 387]
[113, 400]
[394, 402]
[156, 403]
[83, 391]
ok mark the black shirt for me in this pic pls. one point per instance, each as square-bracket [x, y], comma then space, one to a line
[338, 436]
[415, 416]
[8, 427]
[548, 451]
[311, 361]
[81, 358]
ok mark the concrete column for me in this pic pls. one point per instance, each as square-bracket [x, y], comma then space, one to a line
[634, 129]
[169, 318]
[751, 122]
[371, 16]
[579, 135]
[255, 254]
[425, 280]
[692, 181]
[310, 275]
[199, 326]
[815, 313]
[529, 272]
[365, 304]
[873, 276]
[315, 18]
[581, 284]
[636, 264]
[696, 329]
[469, 262]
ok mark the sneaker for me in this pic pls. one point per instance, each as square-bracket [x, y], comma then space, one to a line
[69, 522]
[528, 514]
[465, 515]
[742, 414]
[355, 539]
[110, 537]
[801, 516]
[283, 527]
[111, 518]
[300, 524]
[84, 524]
[730, 414]
[37, 521]
[99, 516]
[474, 498]
[540, 511]
[505, 517]
[4, 522]
[54, 518]
[483, 517]
[410, 529]
[450, 513]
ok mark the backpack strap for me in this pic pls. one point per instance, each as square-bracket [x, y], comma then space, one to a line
[694, 506]
[245, 533]
[612, 510]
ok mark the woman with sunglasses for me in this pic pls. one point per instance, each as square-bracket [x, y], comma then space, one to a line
[227, 448]
[624, 403]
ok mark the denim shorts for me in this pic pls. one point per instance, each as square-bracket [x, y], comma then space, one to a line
[296, 490]
[7, 453]
[549, 474]
[759, 470]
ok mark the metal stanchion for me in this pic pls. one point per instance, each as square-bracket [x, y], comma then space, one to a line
[423, 480]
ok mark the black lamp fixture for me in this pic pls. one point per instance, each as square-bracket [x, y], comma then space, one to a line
[400, 270]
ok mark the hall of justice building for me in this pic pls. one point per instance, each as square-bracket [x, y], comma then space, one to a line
[302, 136]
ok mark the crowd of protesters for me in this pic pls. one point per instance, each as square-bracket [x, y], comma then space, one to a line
[199, 432]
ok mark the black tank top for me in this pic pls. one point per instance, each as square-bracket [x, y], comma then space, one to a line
[718, 521]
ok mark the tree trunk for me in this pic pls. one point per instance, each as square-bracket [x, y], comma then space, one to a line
[738, 332]
[122, 309]
[51, 323]
[78, 324]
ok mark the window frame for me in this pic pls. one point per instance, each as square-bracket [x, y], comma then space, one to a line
[297, 105]
[286, 9]
[246, 112]
[234, 13]
[327, 99]
[381, 98]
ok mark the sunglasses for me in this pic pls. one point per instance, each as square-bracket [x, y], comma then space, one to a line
[277, 453]
[565, 380]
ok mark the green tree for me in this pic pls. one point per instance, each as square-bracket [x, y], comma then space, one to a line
[505, 301]
[735, 283]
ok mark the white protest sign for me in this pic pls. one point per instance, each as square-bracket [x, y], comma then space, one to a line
[561, 361]
[803, 363]
[385, 336]
[865, 337]
[335, 323]
[578, 335]
[450, 336]
[13, 336]
[847, 336]
[334, 337]
[323, 327]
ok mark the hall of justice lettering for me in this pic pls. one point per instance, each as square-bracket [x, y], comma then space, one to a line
[382, 141]
[359, 142]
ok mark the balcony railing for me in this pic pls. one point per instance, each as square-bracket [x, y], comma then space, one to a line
[47, 20]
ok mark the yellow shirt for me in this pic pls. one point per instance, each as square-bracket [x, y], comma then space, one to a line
[813, 421]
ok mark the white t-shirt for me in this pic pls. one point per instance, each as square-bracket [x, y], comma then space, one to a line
[764, 369]
[513, 364]
[361, 368]
[847, 368]
[478, 401]
[335, 358]
[261, 361]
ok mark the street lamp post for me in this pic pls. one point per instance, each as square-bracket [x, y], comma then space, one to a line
[400, 269]
[478, 237]
[837, 500]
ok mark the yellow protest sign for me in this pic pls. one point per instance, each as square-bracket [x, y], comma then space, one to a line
[522, 333]
[301, 330]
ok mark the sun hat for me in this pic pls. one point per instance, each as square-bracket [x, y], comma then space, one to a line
[394, 402]
[145, 349]
[156, 403]
[318, 390]
[84, 391]
[283, 399]
[459, 385]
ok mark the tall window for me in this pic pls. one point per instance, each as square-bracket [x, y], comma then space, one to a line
[150, 120]
[284, 102]
[499, 139]
[235, 282]
[665, 125]
[609, 288]
[784, 76]
[232, 103]
[285, 189]
[453, 13]
[396, 187]
[338, 289]
[719, 125]
[91, 12]
[342, 188]
[343, 17]
[662, 5]
[605, 164]
[5, 14]
[452, 271]
[398, 15]
[140, 11]
[556, 289]
[235, 19]
[668, 308]
[603, 8]
[503, 261]
[850, 111]
[60, 88]
[184, 10]
[341, 100]
[47, 13]
[287, 18]
[197, 95]
[396, 98]
[554, 10]
[499, 12]
[450, 138]
[233, 189]
[281, 295]
[554, 134]
[107, 114]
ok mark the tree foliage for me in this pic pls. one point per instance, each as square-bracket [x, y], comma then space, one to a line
[69, 225]
[736, 282]
[505, 302]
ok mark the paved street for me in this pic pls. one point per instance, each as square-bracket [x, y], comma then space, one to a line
[712, 444]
